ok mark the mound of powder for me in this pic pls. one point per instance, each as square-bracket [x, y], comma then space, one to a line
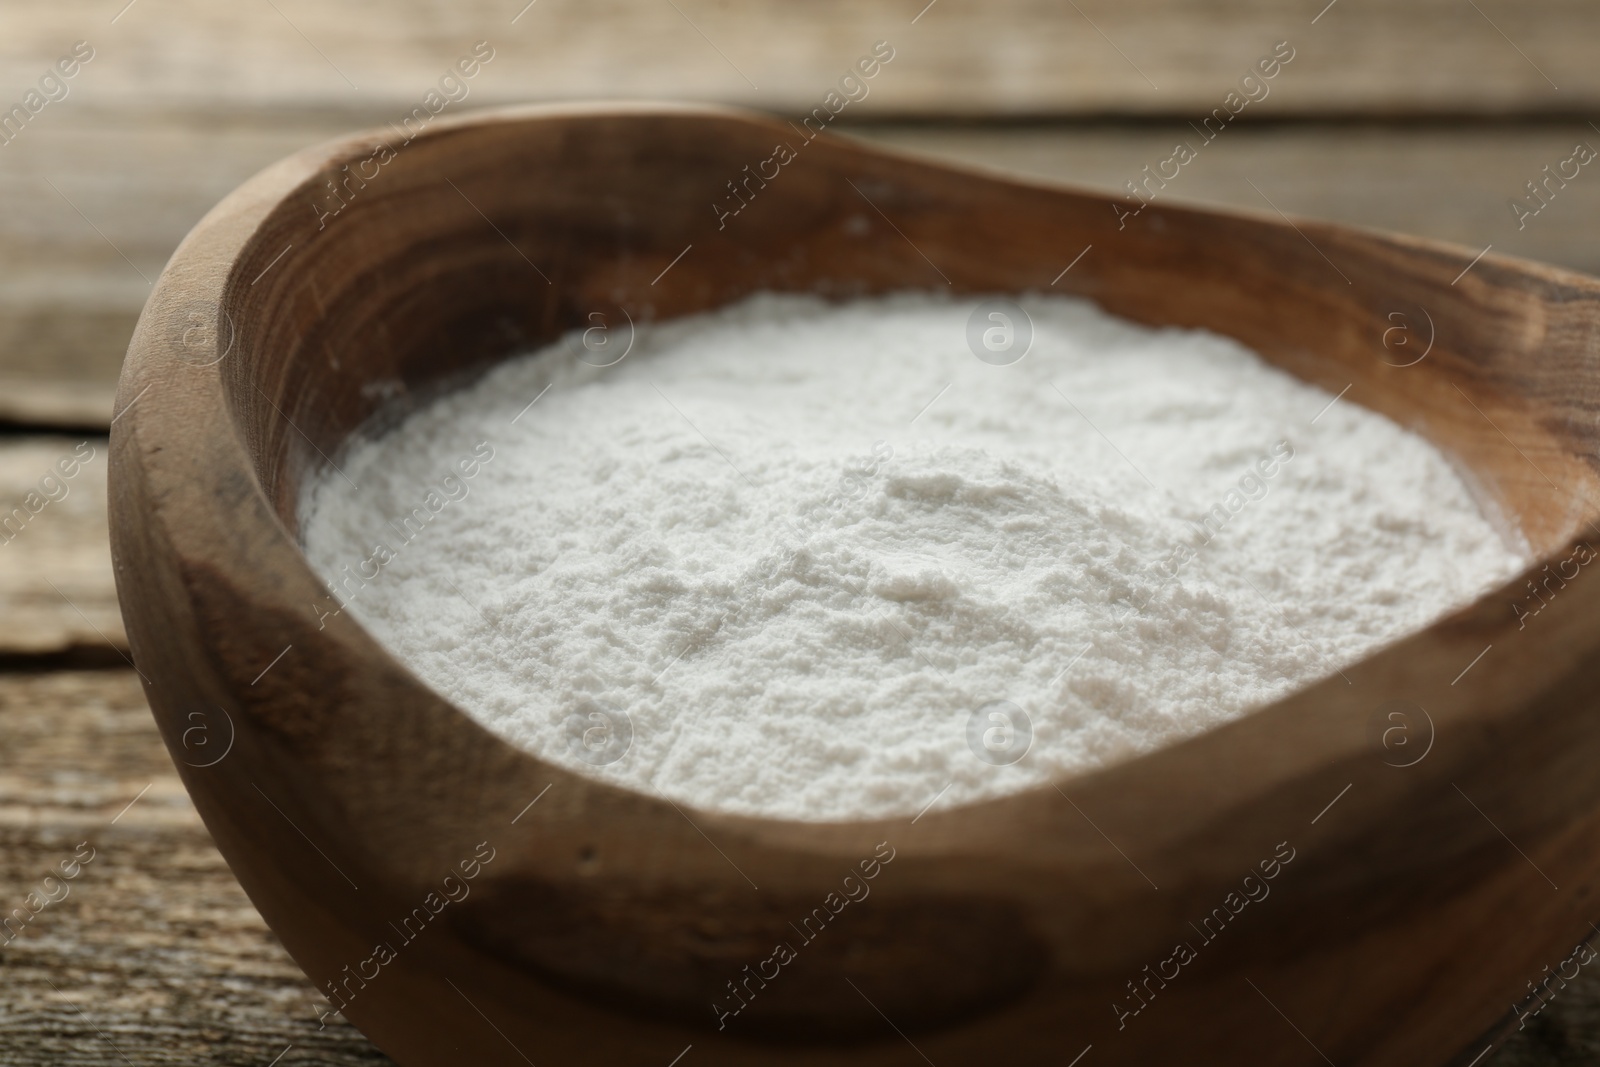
[792, 558]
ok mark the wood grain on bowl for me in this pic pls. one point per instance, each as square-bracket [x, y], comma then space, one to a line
[1329, 903]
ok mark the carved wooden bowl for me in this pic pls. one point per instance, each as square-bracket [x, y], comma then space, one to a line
[1339, 897]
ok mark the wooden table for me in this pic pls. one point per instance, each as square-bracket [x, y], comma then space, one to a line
[1427, 117]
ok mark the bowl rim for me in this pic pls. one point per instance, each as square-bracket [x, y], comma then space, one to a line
[209, 256]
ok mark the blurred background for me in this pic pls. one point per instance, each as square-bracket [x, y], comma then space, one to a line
[122, 123]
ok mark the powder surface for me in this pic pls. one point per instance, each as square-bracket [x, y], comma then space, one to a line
[791, 558]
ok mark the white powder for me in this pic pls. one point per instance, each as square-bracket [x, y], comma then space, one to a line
[777, 558]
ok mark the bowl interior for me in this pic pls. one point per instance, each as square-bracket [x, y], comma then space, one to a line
[399, 279]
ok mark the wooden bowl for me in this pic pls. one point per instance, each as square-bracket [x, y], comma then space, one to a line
[1338, 896]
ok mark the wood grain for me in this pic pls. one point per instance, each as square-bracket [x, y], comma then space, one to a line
[56, 589]
[154, 953]
[185, 99]
[65, 322]
[108, 199]
[1031, 57]
[1447, 183]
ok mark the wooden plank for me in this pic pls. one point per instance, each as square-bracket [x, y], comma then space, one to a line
[1034, 57]
[65, 321]
[1450, 184]
[107, 201]
[154, 955]
[56, 589]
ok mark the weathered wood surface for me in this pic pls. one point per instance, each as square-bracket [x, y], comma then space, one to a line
[56, 592]
[65, 320]
[1451, 183]
[953, 56]
[154, 955]
[106, 202]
